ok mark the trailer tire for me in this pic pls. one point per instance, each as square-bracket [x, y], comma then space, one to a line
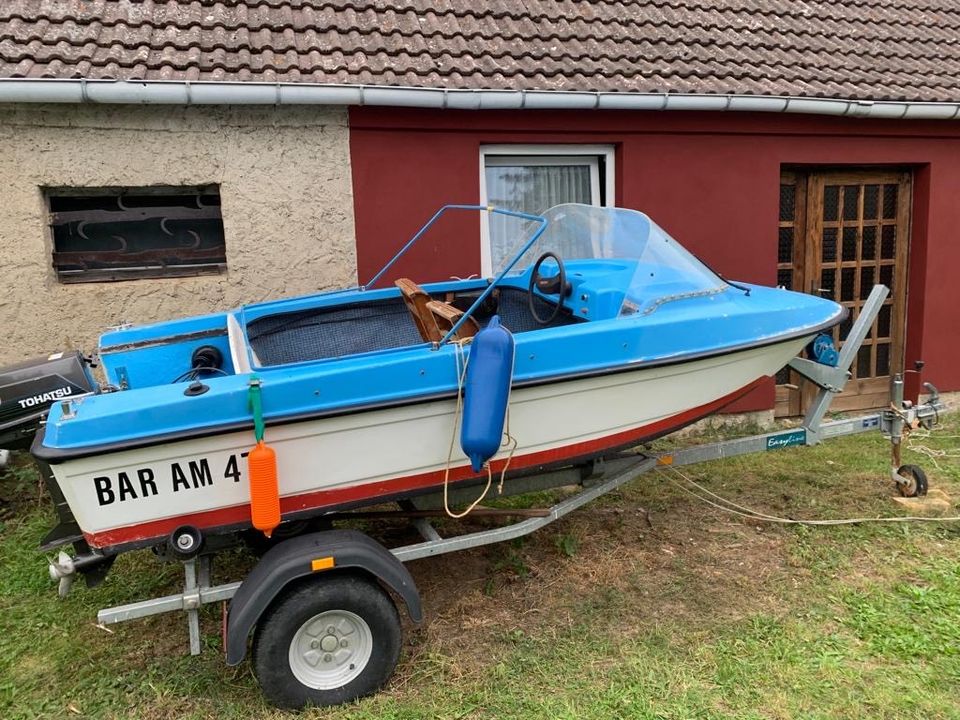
[916, 485]
[326, 640]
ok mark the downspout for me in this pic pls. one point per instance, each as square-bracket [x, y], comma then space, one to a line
[163, 92]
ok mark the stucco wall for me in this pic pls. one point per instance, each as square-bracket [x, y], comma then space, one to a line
[285, 186]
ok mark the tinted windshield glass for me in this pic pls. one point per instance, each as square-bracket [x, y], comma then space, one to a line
[663, 269]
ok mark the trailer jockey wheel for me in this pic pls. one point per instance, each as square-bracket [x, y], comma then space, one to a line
[326, 640]
[916, 485]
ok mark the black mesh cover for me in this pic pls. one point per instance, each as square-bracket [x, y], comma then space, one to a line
[332, 332]
[369, 326]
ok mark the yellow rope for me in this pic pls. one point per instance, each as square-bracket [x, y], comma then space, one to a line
[461, 376]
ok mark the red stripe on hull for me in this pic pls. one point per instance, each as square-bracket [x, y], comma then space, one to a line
[322, 499]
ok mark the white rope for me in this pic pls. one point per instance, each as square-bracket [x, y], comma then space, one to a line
[729, 507]
[933, 453]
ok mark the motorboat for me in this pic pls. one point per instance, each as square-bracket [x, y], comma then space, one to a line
[618, 335]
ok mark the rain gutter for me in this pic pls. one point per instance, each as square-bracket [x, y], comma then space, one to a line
[163, 92]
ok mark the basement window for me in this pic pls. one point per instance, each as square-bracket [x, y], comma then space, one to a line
[102, 235]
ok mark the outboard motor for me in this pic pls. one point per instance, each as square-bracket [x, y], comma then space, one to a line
[27, 390]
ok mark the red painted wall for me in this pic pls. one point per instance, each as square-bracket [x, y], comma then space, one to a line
[710, 179]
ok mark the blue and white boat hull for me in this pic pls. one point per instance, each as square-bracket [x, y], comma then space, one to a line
[140, 495]
[631, 339]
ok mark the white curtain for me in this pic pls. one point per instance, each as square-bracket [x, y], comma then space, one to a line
[531, 189]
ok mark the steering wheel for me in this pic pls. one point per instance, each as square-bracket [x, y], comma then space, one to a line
[549, 285]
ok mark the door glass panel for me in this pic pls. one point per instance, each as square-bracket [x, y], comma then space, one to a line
[888, 242]
[851, 202]
[883, 322]
[883, 359]
[863, 361]
[785, 245]
[889, 202]
[788, 202]
[831, 203]
[829, 245]
[886, 276]
[868, 243]
[828, 283]
[848, 277]
[871, 197]
[866, 280]
[849, 243]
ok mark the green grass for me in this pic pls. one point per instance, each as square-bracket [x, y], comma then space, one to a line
[702, 615]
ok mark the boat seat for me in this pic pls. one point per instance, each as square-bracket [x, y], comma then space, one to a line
[416, 299]
[446, 316]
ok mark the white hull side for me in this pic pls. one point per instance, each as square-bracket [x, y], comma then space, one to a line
[358, 449]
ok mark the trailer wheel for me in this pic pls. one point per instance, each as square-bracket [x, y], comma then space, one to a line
[325, 641]
[916, 485]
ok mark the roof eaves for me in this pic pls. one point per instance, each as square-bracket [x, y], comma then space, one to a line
[168, 92]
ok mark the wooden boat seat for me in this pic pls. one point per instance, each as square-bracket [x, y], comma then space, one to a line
[446, 316]
[416, 300]
[433, 318]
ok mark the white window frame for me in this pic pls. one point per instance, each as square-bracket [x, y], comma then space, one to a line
[494, 155]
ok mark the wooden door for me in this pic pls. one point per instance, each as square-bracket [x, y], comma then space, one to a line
[841, 232]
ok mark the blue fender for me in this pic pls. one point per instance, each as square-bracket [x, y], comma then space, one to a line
[486, 392]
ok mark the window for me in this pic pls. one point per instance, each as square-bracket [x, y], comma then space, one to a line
[122, 234]
[533, 178]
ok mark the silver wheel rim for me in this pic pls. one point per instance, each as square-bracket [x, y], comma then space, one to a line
[330, 649]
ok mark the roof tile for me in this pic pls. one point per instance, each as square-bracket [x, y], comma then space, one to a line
[865, 49]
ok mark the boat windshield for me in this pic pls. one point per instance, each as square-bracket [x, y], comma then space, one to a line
[654, 267]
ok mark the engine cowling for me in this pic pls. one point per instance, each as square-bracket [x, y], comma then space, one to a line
[28, 389]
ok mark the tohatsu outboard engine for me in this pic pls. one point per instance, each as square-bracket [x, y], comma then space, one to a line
[28, 389]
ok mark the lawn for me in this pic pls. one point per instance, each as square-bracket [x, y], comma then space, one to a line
[696, 614]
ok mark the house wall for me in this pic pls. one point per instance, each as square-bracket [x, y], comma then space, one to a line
[710, 179]
[285, 186]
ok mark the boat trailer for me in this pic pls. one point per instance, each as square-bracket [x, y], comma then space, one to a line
[324, 550]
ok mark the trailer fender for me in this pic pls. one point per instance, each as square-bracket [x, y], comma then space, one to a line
[307, 555]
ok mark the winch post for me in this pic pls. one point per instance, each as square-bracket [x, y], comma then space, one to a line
[831, 380]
